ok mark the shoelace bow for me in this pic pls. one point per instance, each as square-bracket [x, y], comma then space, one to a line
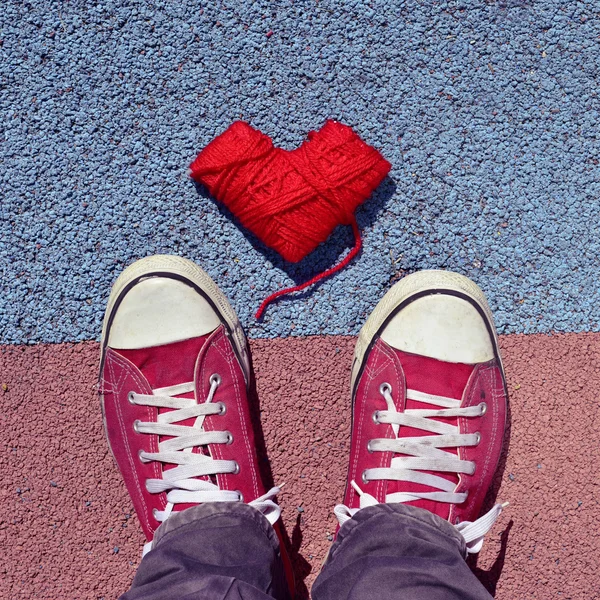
[425, 454]
[182, 482]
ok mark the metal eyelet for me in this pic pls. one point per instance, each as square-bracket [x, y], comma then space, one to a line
[369, 449]
[385, 387]
[154, 511]
[222, 408]
[229, 438]
[215, 378]
[130, 397]
[136, 425]
[240, 495]
[236, 469]
[483, 407]
[376, 418]
[473, 470]
[142, 459]
[478, 438]
[456, 520]
[364, 478]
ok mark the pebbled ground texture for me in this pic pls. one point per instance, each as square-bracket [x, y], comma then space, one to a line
[487, 109]
[72, 534]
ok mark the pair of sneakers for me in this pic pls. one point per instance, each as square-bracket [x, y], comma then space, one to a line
[428, 398]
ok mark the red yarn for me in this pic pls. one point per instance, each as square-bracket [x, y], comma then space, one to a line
[323, 275]
[292, 200]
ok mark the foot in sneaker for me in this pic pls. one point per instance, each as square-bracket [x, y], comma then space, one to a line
[174, 377]
[429, 404]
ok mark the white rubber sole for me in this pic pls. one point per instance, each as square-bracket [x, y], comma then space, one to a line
[413, 286]
[189, 272]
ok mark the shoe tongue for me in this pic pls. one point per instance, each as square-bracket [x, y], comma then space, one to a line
[169, 364]
[434, 376]
[439, 378]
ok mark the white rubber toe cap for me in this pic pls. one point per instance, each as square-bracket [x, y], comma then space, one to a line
[160, 310]
[441, 326]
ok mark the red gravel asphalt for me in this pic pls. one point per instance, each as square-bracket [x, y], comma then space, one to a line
[67, 526]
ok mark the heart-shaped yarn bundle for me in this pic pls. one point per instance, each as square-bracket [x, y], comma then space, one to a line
[292, 200]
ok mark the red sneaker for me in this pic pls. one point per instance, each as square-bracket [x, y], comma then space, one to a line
[174, 379]
[429, 403]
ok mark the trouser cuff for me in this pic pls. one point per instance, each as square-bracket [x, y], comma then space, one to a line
[405, 516]
[199, 516]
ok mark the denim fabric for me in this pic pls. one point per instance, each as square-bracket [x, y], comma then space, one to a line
[230, 551]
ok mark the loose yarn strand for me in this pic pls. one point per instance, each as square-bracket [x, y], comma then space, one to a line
[355, 250]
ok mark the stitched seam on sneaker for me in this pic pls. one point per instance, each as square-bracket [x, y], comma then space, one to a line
[117, 359]
[231, 361]
[359, 424]
[391, 357]
[488, 375]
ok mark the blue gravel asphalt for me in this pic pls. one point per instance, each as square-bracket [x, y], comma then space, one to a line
[488, 111]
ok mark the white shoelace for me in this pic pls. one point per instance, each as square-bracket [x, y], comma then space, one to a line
[425, 454]
[180, 482]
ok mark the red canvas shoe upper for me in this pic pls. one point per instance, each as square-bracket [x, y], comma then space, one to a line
[425, 431]
[166, 404]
